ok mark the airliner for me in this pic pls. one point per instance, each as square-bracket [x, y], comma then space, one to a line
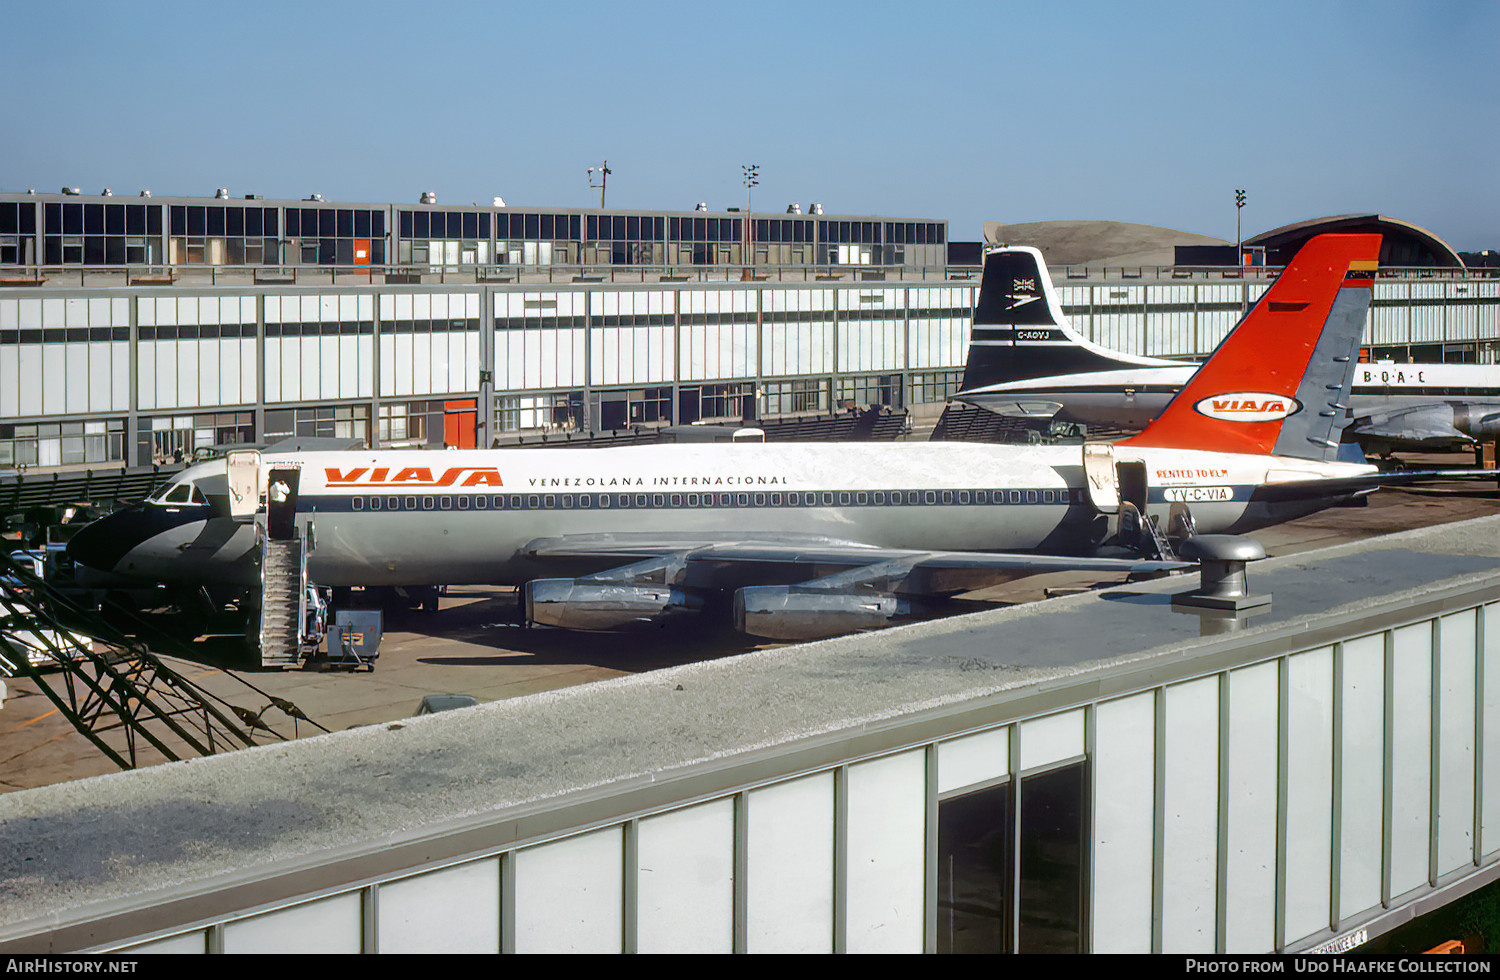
[1027, 361]
[804, 540]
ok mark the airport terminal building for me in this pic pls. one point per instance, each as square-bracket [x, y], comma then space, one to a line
[138, 331]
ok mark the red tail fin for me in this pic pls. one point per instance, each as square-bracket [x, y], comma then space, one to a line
[1286, 367]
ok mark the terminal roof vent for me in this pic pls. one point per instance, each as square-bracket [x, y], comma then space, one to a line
[498, 202]
[70, 191]
[222, 194]
[701, 206]
[815, 208]
[106, 193]
[315, 197]
[428, 197]
[794, 208]
[145, 192]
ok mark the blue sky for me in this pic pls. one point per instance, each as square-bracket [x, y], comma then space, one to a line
[1147, 112]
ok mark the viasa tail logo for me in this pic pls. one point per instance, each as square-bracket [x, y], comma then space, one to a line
[413, 477]
[1248, 406]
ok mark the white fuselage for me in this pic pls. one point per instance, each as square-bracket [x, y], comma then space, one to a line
[413, 517]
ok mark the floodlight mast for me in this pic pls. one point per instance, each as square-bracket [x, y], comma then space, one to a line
[603, 171]
[752, 177]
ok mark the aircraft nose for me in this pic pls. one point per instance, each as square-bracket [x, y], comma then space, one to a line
[102, 544]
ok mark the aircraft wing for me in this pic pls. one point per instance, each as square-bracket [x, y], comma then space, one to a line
[1368, 483]
[788, 587]
[700, 561]
[1424, 424]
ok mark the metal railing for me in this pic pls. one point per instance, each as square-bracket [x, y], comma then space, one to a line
[503, 273]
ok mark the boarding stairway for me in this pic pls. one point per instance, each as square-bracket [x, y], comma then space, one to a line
[283, 604]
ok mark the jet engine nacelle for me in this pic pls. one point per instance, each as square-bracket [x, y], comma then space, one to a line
[578, 605]
[780, 612]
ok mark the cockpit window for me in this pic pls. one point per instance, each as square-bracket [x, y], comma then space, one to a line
[184, 493]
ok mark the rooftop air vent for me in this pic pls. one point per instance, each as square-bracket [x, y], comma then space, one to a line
[815, 208]
[70, 191]
[794, 208]
[145, 193]
[701, 206]
[498, 202]
[428, 197]
[106, 193]
[222, 194]
[315, 197]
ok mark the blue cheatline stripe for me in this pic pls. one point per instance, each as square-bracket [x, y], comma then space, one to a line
[657, 499]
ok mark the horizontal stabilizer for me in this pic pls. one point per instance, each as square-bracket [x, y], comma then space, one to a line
[1343, 485]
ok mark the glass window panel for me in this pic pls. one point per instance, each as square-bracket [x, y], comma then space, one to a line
[1053, 808]
[973, 872]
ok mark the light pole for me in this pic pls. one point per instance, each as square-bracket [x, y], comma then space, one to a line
[603, 171]
[752, 177]
[1239, 248]
[1239, 203]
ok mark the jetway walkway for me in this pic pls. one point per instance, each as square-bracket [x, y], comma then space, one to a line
[1300, 777]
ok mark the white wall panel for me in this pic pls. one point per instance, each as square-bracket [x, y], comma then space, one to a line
[438, 366]
[54, 378]
[387, 365]
[1250, 797]
[1190, 818]
[308, 351]
[1460, 317]
[348, 362]
[1123, 824]
[231, 389]
[76, 360]
[685, 880]
[101, 375]
[166, 374]
[403, 363]
[248, 369]
[887, 822]
[329, 925]
[789, 849]
[1309, 806]
[1411, 769]
[208, 372]
[569, 895]
[10, 380]
[1051, 739]
[321, 367]
[454, 910]
[145, 354]
[1427, 318]
[1362, 774]
[1456, 677]
[972, 760]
